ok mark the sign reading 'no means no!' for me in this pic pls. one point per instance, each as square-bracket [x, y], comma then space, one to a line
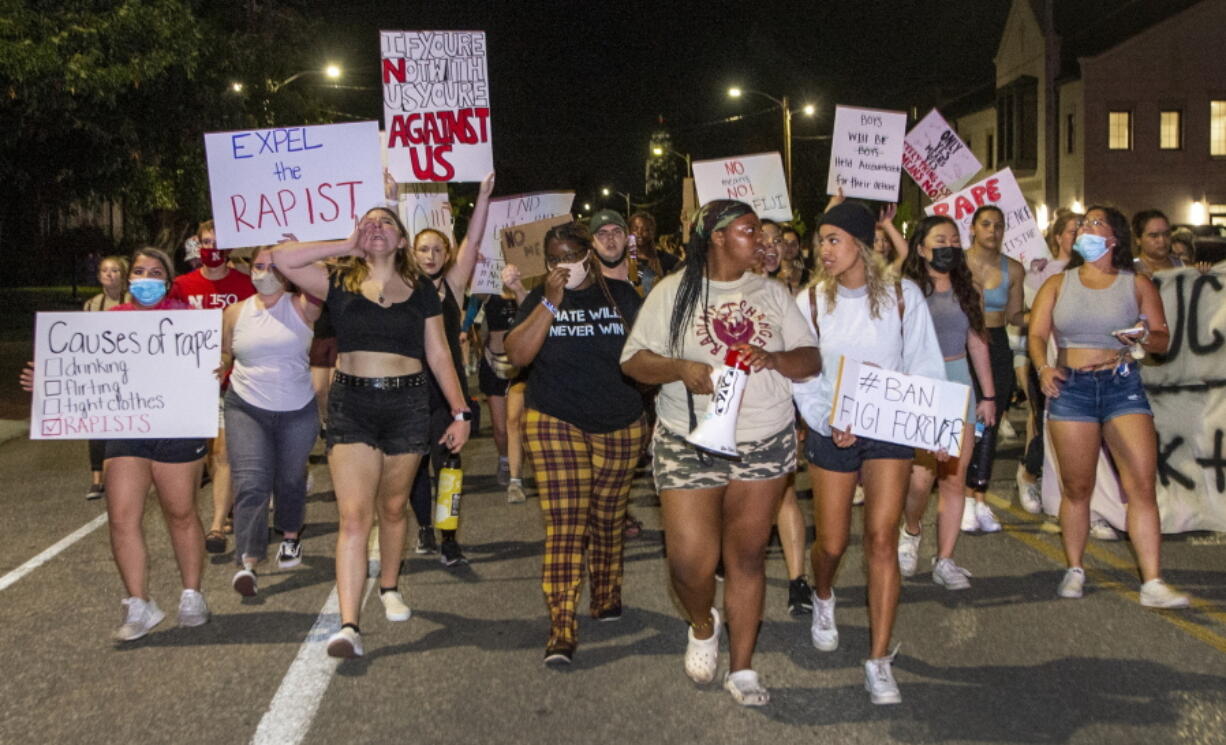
[757, 180]
[139, 374]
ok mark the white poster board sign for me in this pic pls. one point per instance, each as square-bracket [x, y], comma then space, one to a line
[424, 206]
[895, 407]
[866, 153]
[436, 105]
[758, 180]
[508, 212]
[312, 182]
[125, 375]
[1023, 239]
[936, 158]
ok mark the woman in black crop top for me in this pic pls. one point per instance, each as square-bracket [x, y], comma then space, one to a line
[388, 328]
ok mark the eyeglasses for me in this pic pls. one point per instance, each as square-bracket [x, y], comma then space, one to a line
[566, 258]
[1094, 224]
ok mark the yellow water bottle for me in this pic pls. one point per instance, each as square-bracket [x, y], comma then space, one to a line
[447, 503]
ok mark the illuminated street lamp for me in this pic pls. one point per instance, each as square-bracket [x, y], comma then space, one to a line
[606, 191]
[660, 152]
[331, 72]
[782, 103]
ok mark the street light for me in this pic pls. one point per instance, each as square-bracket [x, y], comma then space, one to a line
[331, 72]
[660, 152]
[606, 191]
[782, 103]
[236, 86]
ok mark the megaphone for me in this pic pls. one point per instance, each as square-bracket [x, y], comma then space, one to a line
[716, 433]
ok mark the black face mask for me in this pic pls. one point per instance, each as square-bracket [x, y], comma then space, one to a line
[611, 264]
[434, 277]
[944, 258]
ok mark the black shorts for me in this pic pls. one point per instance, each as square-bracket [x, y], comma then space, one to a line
[823, 453]
[165, 450]
[489, 383]
[395, 421]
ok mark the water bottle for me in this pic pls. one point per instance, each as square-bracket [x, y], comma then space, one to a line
[632, 262]
[979, 472]
[450, 485]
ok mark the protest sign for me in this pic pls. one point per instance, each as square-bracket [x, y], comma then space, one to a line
[436, 105]
[506, 212]
[524, 245]
[1023, 239]
[757, 180]
[140, 374]
[866, 153]
[895, 407]
[936, 158]
[312, 182]
[425, 206]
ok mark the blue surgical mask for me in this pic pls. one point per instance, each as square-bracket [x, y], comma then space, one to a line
[148, 291]
[1091, 247]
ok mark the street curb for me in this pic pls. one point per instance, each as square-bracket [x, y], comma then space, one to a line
[11, 429]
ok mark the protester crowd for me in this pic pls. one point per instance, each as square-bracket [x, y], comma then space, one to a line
[608, 361]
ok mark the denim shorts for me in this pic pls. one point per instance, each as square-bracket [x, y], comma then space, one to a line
[823, 453]
[395, 421]
[1100, 395]
[676, 464]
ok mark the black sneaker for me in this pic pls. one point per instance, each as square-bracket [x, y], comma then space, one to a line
[558, 655]
[610, 614]
[289, 555]
[96, 491]
[800, 597]
[451, 554]
[425, 540]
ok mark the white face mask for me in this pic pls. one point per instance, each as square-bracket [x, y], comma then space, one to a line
[266, 282]
[578, 273]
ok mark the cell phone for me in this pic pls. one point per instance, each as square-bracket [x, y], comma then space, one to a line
[1129, 332]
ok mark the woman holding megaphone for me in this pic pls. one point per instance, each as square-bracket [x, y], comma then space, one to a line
[713, 504]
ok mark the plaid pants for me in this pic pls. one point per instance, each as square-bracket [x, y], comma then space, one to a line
[584, 481]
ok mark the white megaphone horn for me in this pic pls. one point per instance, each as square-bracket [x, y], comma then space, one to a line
[716, 433]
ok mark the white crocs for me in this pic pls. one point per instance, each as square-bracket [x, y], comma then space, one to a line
[746, 689]
[702, 655]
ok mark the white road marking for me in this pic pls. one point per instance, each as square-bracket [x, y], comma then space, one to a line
[11, 578]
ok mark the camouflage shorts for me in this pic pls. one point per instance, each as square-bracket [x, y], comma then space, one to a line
[675, 463]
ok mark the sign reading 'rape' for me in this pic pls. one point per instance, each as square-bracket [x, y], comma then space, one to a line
[1023, 239]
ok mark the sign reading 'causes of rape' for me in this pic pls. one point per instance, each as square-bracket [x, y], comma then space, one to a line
[936, 158]
[758, 180]
[507, 212]
[895, 407]
[312, 182]
[125, 375]
[1023, 239]
[866, 153]
[436, 105]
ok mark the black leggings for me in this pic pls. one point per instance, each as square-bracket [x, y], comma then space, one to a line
[97, 454]
[1000, 357]
[1033, 459]
[421, 497]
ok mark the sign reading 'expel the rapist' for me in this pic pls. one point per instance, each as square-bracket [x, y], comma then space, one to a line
[125, 375]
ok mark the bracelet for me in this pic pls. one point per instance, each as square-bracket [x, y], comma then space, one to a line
[991, 398]
[463, 415]
[549, 306]
[1042, 367]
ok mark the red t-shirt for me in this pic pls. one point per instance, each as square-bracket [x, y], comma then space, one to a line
[201, 292]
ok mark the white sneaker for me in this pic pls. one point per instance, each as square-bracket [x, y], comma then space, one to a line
[949, 575]
[345, 644]
[1006, 429]
[702, 655]
[1158, 594]
[970, 523]
[1073, 584]
[879, 680]
[1029, 493]
[394, 606]
[139, 618]
[823, 630]
[908, 552]
[986, 519]
[515, 492]
[858, 498]
[193, 611]
[746, 689]
[1101, 530]
[244, 583]
[289, 553]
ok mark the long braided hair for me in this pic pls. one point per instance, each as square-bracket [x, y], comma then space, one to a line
[695, 273]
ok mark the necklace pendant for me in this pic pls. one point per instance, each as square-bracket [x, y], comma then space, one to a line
[380, 298]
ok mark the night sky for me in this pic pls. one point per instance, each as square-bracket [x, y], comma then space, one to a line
[577, 87]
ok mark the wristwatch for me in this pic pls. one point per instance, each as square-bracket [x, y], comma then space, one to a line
[463, 416]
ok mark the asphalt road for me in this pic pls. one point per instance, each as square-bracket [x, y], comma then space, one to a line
[1003, 662]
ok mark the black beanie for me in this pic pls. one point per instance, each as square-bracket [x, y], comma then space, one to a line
[853, 217]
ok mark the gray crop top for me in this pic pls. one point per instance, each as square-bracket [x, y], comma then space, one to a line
[950, 322]
[1084, 318]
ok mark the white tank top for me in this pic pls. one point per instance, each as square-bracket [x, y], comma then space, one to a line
[270, 348]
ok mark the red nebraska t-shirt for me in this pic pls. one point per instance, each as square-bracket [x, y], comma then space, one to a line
[200, 292]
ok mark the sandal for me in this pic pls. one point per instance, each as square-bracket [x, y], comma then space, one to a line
[228, 526]
[215, 542]
[702, 655]
[746, 689]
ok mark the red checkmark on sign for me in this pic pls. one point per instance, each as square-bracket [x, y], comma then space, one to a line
[53, 427]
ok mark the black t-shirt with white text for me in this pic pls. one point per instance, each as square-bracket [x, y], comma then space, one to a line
[577, 377]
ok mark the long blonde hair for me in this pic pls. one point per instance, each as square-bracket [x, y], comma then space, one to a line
[352, 271]
[875, 270]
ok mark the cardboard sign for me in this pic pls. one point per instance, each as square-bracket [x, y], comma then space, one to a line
[866, 153]
[506, 212]
[424, 206]
[524, 245]
[758, 180]
[904, 409]
[313, 182]
[936, 158]
[1023, 239]
[436, 105]
[125, 375]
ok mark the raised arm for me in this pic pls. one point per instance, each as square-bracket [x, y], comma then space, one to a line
[470, 247]
[302, 262]
[523, 343]
[886, 223]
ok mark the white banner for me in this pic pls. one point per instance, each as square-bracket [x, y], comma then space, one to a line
[312, 182]
[426, 206]
[1023, 239]
[125, 375]
[895, 407]
[436, 105]
[866, 153]
[758, 180]
[936, 158]
[507, 212]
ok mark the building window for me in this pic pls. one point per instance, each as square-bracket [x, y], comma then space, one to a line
[1017, 124]
[1069, 134]
[1217, 127]
[1119, 130]
[1170, 130]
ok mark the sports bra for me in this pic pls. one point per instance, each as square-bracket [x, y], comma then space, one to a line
[365, 326]
[995, 299]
